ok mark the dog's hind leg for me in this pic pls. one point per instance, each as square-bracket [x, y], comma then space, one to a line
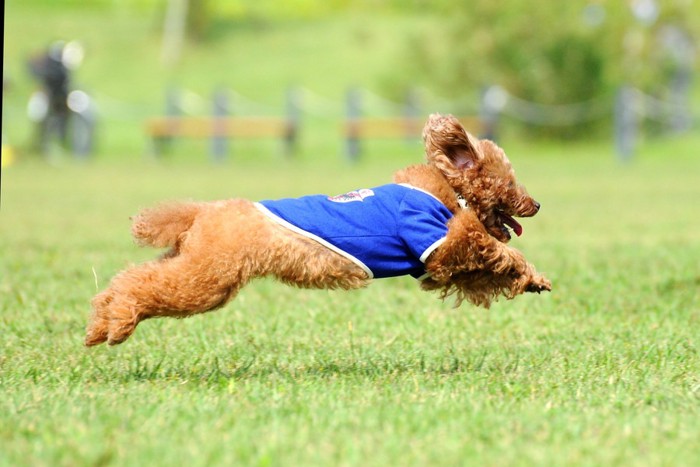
[172, 287]
[98, 326]
[227, 245]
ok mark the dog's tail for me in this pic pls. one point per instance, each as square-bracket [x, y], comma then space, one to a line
[164, 225]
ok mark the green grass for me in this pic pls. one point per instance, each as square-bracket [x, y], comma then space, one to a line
[603, 371]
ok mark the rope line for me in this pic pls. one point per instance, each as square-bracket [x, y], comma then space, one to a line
[311, 103]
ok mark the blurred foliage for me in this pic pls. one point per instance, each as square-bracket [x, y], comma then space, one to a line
[553, 52]
[251, 9]
[550, 53]
[206, 16]
[199, 18]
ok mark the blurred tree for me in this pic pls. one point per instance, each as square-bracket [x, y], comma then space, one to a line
[174, 31]
[552, 52]
[183, 18]
[199, 18]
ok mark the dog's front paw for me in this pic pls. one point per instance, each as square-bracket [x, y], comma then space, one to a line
[539, 284]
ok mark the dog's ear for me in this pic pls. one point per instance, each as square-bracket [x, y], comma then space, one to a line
[448, 146]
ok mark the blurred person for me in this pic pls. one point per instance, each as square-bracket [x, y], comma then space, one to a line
[49, 106]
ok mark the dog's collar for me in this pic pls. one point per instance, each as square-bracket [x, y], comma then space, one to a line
[462, 202]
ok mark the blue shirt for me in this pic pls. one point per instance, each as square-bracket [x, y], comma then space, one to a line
[389, 230]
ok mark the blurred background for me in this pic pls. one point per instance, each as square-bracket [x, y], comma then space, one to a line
[226, 79]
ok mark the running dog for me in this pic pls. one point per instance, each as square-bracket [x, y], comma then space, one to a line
[446, 222]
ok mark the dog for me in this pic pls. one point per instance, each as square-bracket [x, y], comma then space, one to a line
[447, 222]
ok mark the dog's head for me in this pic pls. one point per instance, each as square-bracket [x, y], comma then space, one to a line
[480, 173]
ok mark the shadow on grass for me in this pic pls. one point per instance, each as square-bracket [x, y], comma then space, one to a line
[673, 286]
[216, 370]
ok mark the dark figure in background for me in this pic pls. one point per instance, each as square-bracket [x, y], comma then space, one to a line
[51, 71]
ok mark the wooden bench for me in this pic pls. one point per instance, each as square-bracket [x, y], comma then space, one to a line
[221, 129]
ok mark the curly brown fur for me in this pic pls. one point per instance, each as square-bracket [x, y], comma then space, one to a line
[474, 266]
[227, 244]
[474, 263]
[479, 171]
[217, 248]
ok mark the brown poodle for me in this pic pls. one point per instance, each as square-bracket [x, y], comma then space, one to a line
[445, 222]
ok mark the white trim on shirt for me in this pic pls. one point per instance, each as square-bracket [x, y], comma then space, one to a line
[424, 257]
[316, 238]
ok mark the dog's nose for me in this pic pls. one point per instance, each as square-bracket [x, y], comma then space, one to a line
[537, 205]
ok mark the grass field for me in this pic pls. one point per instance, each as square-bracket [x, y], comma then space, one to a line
[605, 370]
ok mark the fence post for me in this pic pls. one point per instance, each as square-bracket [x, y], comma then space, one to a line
[291, 136]
[83, 121]
[354, 103]
[412, 114]
[626, 124]
[493, 100]
[173, 108]
[680, 86]
[220, 109]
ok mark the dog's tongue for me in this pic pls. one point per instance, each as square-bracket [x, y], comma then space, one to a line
[512, 223]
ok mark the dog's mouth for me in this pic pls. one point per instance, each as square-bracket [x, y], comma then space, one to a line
[506, 223]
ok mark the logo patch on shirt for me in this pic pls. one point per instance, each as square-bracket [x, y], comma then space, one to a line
[358, 195]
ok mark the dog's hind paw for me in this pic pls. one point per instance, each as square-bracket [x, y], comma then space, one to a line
[94, 337]
[97, 332]
[120, 330]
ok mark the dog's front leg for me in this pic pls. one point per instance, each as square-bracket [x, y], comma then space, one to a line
[468, 248]
[511, 262]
